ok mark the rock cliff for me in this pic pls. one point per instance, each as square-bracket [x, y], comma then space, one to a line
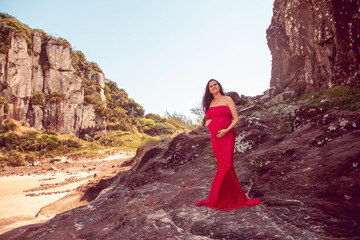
[314, 44]
[40, 85]
[302, 161]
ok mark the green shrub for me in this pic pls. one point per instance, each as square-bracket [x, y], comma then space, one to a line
[157, 118]
[160, 129]
[147, 124]
[15, 159]
[49, 142]
[30, 158]
[38, 98]
[20, 142]
[71, 143]
[10, 140]
[93, 98]
[11, 24]
[124, 124]
[102, 110]
[29, 142]
[95, 67]
[50, 132]
[120, 111]
[61, 42]
[46, 137]
[56, 97]
[8, 125]
[4, 104]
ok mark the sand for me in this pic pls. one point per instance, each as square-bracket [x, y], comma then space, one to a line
[23, 192]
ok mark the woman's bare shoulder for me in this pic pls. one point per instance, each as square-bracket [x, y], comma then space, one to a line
[228, 99]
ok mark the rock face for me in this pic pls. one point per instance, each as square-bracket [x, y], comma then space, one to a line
[47, 70]
[314, 44]
[302, 161]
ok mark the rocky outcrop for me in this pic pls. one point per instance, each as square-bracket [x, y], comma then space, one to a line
[314, 44]
[302, 161]
[46, 70]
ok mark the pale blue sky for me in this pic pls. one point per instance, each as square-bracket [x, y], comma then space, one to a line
[163, 52]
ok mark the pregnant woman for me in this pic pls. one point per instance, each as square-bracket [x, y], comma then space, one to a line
[226, 192]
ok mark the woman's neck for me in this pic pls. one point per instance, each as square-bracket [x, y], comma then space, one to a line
[217, 96]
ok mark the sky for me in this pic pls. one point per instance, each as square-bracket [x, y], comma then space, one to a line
[163, 52]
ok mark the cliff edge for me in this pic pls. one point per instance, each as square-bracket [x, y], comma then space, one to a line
[43, 82]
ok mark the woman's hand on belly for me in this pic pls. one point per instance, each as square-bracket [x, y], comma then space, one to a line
[207, 122]
[221, 133]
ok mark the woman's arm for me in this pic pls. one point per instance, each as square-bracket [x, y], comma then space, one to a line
[235, 117]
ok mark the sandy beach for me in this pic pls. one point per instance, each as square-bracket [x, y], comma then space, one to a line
[25, 190]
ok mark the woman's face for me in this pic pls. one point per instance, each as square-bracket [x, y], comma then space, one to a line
[214, 87]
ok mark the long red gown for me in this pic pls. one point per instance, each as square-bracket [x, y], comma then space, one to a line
[226, 192]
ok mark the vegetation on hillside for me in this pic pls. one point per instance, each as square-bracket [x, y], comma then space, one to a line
[127, 129]
[339, 97]
[9, 24]
[127, 125]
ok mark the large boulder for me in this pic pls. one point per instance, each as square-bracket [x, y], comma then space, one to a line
[314, 44]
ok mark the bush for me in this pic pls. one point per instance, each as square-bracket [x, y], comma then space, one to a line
[95, 67]
[37, 99]
[160, 129]
[102, 110]
[15, 159]
[30, 158]
[8, 125]
[4, 103]
[157, 118]
[124, 124]
[49, 142]
[61, 42]
[71, 143]
[11, 24]
[93, 98]
[21, 142]
[56, 97]
[120, 111]
[147, 124]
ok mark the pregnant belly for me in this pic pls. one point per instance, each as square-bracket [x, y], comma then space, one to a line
[218, 123]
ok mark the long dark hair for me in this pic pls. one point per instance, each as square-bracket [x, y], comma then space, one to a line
[208, 97]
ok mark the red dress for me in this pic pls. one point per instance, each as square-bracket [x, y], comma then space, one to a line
[226, 192]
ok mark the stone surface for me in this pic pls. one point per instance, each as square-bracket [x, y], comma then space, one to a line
[47, 70]
[2, 71]
[58, 56]
[37, 43]
[314, 44]
[37, 81]
[302, 161]
[18, 68]
[57, 81]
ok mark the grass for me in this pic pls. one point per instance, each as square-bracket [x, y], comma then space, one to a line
[21, 145]
[126, 140]
[340, 97]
